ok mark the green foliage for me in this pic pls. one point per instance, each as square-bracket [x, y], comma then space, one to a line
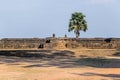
[77, 23]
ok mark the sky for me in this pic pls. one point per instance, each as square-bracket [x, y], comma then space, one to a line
[42, 18]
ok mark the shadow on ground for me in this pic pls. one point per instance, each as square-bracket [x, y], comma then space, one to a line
[117, 54]
[37, 53]
[61, 59]
[113, 76]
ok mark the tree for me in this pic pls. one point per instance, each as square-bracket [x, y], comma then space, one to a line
[77, 23]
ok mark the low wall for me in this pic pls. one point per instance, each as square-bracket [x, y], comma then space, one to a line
[50, 43]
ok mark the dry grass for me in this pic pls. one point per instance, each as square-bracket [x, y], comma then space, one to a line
[85, 64]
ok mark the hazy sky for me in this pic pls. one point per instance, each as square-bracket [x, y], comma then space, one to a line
[42, 18]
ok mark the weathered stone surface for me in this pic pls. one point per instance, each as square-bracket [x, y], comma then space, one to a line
[59, 43]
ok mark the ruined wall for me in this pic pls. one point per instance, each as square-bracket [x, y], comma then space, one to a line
[20, 43]
[50, 43]
[95, 43]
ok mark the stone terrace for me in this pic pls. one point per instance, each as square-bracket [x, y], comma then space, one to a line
[59, 43]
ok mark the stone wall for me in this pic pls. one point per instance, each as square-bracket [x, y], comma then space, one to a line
[59, 43]
[8, 43]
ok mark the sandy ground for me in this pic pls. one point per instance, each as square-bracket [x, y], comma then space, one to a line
[62, 68]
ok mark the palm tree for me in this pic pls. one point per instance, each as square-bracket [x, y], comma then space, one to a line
[77, 23]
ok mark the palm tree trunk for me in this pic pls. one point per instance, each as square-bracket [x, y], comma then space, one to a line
[77, 34]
